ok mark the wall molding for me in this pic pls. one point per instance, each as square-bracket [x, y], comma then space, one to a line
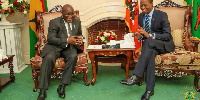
[97, 13]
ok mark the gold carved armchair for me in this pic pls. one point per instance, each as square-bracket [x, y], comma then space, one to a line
[184, 60]
[43, 23]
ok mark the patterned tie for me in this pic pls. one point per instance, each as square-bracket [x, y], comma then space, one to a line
[70, 32]
[147, 29]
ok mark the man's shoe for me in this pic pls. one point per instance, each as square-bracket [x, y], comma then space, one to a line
[146, 95]
[61, 91]
[42, 94]
[131, 81]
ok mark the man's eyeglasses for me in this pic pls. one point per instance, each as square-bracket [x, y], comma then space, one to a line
[69, 14]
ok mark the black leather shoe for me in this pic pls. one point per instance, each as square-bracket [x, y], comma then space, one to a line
[146, 95]
[131, 81]
[61, 91]
[42, 95]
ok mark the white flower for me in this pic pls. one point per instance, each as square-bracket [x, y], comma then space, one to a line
[19, 1]
[11, 5]
[25, 12]
[4, 0]
[5, 5]
[102, 38]
[113, 33]
[105, 34]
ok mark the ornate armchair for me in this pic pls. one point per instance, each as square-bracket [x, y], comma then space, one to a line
[184, 60]
[43, 23]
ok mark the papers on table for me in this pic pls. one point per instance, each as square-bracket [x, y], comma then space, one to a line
[94, 47]
[128, 41]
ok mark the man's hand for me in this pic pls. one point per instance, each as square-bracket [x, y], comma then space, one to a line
[142, 31]
[75, 40]
[80, 39]
[137, 35]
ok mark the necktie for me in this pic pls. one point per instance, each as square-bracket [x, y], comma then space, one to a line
[147, 29]
[70, 33]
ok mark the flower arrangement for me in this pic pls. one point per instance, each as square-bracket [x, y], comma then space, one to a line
[9, 6]
[106, 36]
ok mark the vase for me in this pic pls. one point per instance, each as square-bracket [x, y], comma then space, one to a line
[3, 18]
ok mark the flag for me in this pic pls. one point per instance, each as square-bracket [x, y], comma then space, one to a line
[131, 19]
[195, 25]
[35, 6]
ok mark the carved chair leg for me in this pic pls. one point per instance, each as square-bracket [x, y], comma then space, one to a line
[85, 72]
[35, 78]
[196, 81]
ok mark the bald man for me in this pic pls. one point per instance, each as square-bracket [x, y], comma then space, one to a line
[64, 40]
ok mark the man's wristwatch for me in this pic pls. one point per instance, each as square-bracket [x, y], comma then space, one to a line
[151, 36]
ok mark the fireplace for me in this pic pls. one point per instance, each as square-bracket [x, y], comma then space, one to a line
[116, 25]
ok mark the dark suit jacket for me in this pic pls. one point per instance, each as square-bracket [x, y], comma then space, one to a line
[161, 27]
[57, 35]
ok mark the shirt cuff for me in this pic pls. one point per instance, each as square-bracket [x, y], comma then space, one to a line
[140, 39]
[154, 35]
[67, 41]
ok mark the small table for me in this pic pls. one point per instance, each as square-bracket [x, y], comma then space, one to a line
[6, 80]
[109, 52]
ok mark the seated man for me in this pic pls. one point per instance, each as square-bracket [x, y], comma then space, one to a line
[155, 32]
[64, 40]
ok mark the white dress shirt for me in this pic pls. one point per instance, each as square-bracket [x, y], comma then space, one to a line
[66, 25]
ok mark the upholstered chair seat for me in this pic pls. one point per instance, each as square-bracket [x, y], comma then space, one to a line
[179, 59]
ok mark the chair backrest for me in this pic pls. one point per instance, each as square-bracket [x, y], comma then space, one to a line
[179, 19]
[175, 16]
[43, 19]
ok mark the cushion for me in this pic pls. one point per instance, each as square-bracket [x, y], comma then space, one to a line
[175, 16]
[178, 37]
[81, 62]
[180, 59]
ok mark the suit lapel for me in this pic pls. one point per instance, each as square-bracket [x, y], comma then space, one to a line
[73, 28]
[153, 19]
[141, 20]
[63, 27]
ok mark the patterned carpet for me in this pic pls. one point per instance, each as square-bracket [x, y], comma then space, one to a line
[107, 87]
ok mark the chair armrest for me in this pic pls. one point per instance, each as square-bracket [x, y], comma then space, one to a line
[191, 44]
[195, 41]
[36, 48]
[82, 45]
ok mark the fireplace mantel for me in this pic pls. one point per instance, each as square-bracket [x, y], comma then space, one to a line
[101, 12]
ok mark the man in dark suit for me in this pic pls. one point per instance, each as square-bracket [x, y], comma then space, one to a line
[155, 32]
[64, 40]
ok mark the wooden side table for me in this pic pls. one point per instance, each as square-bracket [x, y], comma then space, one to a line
[109, 52]
[6, 80]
